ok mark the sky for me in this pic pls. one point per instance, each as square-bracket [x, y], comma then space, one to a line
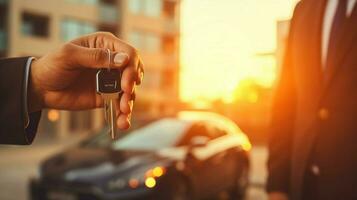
[220, 40]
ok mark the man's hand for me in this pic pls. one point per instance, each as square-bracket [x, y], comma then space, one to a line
[65, 79]
[277, 196]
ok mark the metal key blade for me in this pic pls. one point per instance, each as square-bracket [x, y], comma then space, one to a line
[110, 116]
[112, 119]
[108, 86]
[106, 110]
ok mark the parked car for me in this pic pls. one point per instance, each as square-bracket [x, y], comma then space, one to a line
[195, 155]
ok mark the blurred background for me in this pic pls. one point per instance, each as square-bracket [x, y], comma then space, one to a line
[222, 56]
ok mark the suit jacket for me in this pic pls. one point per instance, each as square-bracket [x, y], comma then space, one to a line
[13, 129]
[315, 111]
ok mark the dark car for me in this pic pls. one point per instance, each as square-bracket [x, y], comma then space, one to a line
[195, 155]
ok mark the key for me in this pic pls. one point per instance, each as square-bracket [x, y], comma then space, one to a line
[108, 85]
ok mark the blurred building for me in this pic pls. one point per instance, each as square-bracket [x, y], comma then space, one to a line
[33, 27]
[153, 26]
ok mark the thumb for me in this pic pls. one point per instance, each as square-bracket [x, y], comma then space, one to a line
[98, 57]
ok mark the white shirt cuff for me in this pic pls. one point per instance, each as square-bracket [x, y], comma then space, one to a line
[26, 83]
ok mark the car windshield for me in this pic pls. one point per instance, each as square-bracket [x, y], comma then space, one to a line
[160, 134]
[156, 135]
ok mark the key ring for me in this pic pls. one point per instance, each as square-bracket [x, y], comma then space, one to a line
[110, 59]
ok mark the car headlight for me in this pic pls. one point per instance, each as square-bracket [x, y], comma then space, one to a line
[147, 178]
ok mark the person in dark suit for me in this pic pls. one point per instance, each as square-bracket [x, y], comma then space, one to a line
[63, 79]
[313, 144]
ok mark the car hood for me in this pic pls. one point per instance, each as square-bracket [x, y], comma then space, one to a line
[94, 165]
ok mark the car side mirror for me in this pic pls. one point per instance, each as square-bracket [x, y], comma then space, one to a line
[198, 141]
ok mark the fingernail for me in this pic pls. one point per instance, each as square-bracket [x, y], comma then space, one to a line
[131, 105]
[120, 58]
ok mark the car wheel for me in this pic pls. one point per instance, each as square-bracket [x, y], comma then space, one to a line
[238, 192]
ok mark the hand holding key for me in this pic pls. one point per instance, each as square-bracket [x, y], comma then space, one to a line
[108, 86]
[65, 79]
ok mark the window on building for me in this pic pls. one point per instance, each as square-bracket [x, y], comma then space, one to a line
[3, 39]
[3, 16]
[169, 8]
[35, 25]
[108, 11]
[152, 43]
[150, 8]
[3, 2]
[168, 44]
[71, 28]
[135, 6]
[135, 39]
[149, 42]
[168, 79]
[153, 79]
[3, 34]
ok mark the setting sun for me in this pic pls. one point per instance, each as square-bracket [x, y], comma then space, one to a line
[221, 42]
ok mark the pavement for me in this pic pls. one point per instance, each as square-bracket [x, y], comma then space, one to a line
[19, 163]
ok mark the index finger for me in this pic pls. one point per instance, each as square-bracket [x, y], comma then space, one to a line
[107, 40]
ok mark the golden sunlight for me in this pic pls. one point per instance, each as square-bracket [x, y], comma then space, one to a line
[222, 43]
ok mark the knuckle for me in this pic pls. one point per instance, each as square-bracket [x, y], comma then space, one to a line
[134, 51]
[100, 56]
[106, 34]
[109, 34]
[102, 38]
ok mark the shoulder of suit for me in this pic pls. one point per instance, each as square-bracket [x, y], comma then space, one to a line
[302, 4]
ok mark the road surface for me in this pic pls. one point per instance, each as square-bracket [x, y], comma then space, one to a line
[18, 164]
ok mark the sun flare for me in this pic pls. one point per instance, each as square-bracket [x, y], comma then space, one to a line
[221, 42]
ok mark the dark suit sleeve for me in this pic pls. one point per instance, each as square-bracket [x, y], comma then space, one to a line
[12, 115]
[282, 124]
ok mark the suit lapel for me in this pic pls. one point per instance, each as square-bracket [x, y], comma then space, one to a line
[316, 33]
[346, 41]
[312, 20]
[315, 10]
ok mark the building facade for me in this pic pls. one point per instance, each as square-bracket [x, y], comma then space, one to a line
[33, 27]
[153, 26]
